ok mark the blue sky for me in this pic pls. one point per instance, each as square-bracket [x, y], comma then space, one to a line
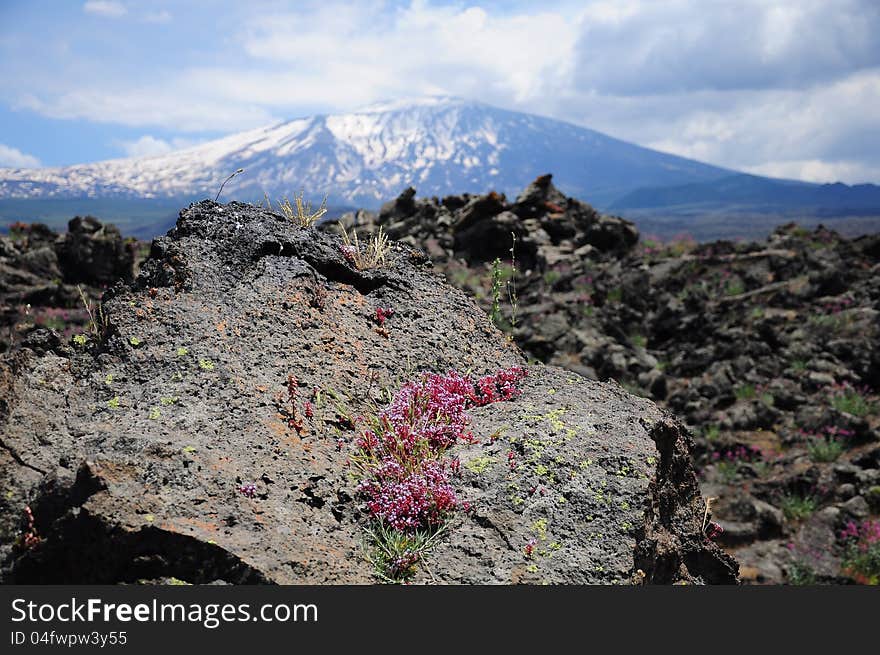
[785, 88]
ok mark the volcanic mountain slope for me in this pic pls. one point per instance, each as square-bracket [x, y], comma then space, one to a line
[441, 144]
[770, 351]
[213, 428]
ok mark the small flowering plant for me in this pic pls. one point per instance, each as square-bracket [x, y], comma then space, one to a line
[862, 543]
[405, 474]
[29, 537]
[248, 490]
[827, 443]
[382, 315]
[728, 460]
[851, 399]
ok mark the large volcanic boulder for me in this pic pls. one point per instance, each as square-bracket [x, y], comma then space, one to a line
[165, 447]
[94, 253]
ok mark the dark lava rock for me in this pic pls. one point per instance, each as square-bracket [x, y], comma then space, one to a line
[43, 273]
[543, 225]
[130, 449]
[94, 253]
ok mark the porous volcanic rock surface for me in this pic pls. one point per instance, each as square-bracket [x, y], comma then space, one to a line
[130, 449]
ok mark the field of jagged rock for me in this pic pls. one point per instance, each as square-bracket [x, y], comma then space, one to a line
[768, 351]
[167, 441]
[254, 403]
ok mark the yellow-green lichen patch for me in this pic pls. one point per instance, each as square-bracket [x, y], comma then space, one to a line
[478, 465]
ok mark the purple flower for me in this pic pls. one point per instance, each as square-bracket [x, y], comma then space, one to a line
[249, 490]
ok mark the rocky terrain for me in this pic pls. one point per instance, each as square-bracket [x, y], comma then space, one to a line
[51, 280]
[212, 420]
[769, 351]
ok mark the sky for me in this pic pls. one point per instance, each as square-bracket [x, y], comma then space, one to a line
[786, 88]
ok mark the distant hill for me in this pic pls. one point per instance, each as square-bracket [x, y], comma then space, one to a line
[756, 193]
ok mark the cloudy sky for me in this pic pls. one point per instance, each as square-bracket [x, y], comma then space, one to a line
[787, 88]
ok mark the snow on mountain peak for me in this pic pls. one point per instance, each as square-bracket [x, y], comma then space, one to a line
[440, 144]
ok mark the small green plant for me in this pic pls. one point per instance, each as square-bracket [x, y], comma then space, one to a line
[801, 574]
[113, 403]
[166, 400]
[98, 322]
[394, 554]
[711, 432]
[182, 351]
[727, 470]
[300, 211]
[745, 392]
[206, 365]
[80, 339]
[796, 507]
[799, 365]
[552, 277]
[757, 313]
[155, 413]
[511, 283]
[824, 450]
[734, 288]
[495, 314]
[615, 295]
[850, 400]
[638, 340]
[363, 256]
[135, 342]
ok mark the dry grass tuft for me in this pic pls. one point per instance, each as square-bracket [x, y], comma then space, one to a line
[300, 211]
[371, 254]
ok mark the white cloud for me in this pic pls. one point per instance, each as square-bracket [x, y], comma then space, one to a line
[146, 146]
[15, 158]
[816, 170]
[162, 16]
[418, 48]
[753, 85]
[106, 8]
[777, 132]
[686, 45]
[172, 106]
[151, 146]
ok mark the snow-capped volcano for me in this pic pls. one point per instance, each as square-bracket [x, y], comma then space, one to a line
[440, 145]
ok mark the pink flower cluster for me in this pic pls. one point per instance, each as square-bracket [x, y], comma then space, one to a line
[383, 315]
[410, 499]
[738, 454]
[30, 538]
[837, 305]
[828, 432]
[845, 388]
[713, 530]
[867, 534]
[408, 484]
